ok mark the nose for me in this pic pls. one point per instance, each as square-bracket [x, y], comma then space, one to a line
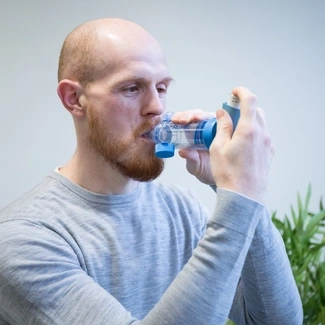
[154, 104]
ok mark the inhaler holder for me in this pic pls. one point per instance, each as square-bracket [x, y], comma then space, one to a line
[167, 149]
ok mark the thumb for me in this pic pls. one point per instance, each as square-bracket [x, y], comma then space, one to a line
[224, 127]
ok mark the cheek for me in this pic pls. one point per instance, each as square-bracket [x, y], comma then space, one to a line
[117, 116]
[119, 125]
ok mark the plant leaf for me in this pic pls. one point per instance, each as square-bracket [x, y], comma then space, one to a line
[313, 224]
[304, 239]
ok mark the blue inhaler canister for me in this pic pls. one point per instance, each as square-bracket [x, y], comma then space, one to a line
[199, 135]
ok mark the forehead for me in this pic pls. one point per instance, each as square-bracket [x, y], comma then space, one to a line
[126, 60]
[139, 69]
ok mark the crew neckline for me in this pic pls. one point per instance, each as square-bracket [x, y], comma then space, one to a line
[96, 197]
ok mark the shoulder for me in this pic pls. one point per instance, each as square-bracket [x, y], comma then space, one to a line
[31, 203]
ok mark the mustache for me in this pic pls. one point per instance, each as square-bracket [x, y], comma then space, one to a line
[147, 126]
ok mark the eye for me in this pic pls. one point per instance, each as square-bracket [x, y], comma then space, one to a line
[162, 89]
[132, 89]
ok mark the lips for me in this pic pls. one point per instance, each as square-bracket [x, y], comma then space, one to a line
[146, 128]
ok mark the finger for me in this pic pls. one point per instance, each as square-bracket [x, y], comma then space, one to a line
[189, 155]
[248, 102]
[190, 116]
[224, 128]
[261, 116]
[262, 122]
[192, 160]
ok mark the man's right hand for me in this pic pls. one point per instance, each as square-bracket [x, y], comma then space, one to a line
[240, 161]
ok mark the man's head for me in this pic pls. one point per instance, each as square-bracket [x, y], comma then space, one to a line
[113, 79]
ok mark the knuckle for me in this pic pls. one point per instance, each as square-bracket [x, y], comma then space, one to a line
[260, 111]
[268, 143]
[251, 133]
[268, 140]
[251, 99]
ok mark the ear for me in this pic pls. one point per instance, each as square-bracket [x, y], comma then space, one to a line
[69, 92]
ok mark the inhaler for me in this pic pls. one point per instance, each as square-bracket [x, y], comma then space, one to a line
[199, 135]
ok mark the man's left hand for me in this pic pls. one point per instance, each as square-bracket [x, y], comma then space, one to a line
[197, 161]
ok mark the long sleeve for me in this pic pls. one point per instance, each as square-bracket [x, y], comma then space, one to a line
[45, 278]
[204, 291]
[267, 293]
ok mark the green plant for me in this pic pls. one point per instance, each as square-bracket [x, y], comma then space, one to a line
[304, 238]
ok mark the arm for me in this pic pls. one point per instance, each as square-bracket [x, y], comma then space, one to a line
[204, 290]
[267, 292]
[240, 162]
[42, 281]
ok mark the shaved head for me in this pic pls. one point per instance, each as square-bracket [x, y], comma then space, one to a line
[82, 57]
[113, 79]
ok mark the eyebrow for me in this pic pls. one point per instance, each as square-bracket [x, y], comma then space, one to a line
[166, 80]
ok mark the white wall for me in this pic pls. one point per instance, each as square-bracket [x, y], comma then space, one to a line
[276, 48]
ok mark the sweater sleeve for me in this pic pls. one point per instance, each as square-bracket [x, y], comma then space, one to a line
[42, 282]
[267, 292]
[204, 290]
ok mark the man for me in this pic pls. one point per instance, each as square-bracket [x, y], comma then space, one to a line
[96, 243]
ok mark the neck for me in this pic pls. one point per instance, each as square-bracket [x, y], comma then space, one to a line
[95, 175]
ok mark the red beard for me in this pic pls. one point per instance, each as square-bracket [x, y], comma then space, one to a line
[123, 155]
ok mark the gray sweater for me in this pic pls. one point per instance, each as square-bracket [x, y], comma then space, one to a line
[154, 256]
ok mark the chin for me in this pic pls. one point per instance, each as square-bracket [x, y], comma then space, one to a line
[147, 147]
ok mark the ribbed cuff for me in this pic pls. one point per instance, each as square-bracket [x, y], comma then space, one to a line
[237, 212]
